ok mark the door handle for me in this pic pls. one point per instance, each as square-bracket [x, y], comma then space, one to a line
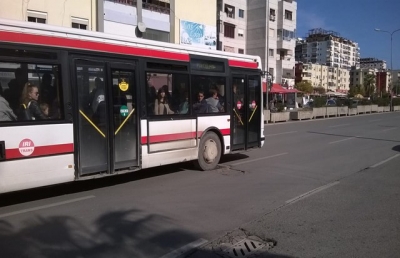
[2, 150]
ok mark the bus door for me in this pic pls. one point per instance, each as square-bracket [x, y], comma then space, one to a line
[246, 111]
[107, 116]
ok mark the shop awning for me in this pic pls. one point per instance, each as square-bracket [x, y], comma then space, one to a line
[278, 89]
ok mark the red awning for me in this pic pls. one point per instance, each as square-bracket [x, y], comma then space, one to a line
[278, 89]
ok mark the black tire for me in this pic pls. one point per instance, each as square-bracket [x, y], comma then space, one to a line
[209, 152]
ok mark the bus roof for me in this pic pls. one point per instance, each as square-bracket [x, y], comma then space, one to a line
[44, 34]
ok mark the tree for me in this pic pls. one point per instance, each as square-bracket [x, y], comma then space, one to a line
[396, 87]
[369, 84]
[320, 90]
[304, 87]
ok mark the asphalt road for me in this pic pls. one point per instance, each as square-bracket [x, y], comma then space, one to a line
[323, 188]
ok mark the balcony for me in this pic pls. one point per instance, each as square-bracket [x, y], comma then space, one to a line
[286, 63]
[165, 8]
[285, 43]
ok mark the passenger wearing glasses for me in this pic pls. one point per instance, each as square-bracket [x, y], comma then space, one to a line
[29, 103]
[200, 106]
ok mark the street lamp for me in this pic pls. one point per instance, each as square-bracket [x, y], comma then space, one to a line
[391, 59]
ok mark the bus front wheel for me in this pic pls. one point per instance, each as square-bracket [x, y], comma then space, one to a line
[209, 152]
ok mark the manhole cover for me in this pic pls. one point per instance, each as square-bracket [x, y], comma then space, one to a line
[247, 247]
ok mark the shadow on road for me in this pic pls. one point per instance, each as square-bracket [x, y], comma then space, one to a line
[396, 148]
[354, 136]
[124, 233]
[86, 185]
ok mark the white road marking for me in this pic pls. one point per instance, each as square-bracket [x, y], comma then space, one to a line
[252, 160]
[333, 126]
[184, 249]
[342, 140]
[386, 160]
[46, 206]
[269, 135]
[309, 193]
[386, 130]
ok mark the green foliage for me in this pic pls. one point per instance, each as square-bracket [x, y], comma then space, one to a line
[340, 102]
[320, 90]
[365, 102]
[382, 102]
[319, 102]
[280, 107]
[350, 103]
[355, 90]
[369, 85]
[396, 102]
[304, 87]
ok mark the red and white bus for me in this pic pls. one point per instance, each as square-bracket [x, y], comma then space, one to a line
[110, 104]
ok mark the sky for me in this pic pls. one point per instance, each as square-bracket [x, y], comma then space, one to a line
[356, 21]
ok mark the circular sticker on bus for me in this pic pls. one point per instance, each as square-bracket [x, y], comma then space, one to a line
[26, 147]
[124, 86]
[239, 104]
[123, 111]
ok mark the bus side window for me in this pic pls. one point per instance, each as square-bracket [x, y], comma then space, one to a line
[167, 94]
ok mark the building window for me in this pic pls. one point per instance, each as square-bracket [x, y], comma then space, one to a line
[241, 51]
[240, 33]
[271, 52]
[230, 11]
[79, 23]
[156, 35]
[241, 13]
[38, 17]
[272, 14]
[229, 30]
[271, 33]
[288, 15]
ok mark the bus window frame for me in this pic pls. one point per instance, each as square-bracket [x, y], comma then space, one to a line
[151, 117]
[63, 80]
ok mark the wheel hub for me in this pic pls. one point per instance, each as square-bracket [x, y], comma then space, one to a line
[210, 151]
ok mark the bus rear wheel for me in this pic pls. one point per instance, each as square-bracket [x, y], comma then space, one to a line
[209, 152]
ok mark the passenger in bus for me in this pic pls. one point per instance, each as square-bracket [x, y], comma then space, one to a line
[213, 102]
[47, 91]
[98, 103]
[29, 103]
[151, 98]
[15, 87]
[161, 105]
[6, 113]
[184, 106]
[200, 106]
[45, 108]
[167, 94]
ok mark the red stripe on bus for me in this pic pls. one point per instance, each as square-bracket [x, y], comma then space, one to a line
[89, 45]
[178, 136]
[41, 151]
[237, 63]
[169, 137]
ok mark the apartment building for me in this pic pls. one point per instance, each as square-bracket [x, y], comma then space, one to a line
[330, 78]
[328, 48]
[232, 18]
[358, 75]
[271, 34]
[383, 80]
[79, 14]
[373, 63]
[395, 81]
[162, 20]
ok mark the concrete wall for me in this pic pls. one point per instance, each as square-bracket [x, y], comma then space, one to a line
[59, 12]
[198, 11]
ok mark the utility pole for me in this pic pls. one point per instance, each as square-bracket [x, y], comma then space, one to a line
[391, 62]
